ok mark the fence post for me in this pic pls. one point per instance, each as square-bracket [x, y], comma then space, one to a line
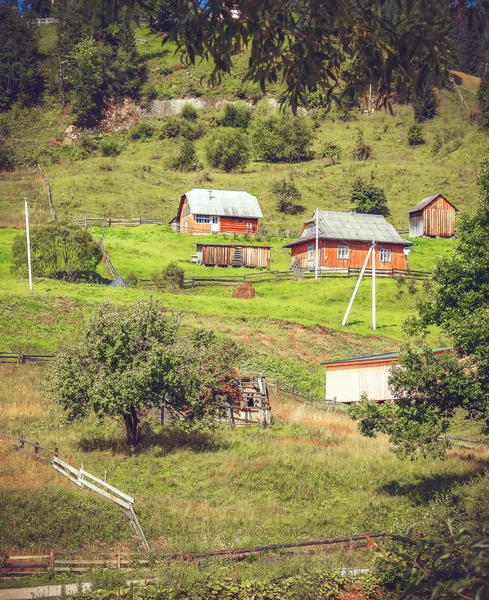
[51, 561]
[56, 452]
[118, 558]
[293, 390]
[19, 355]
[310, 397]
[21, 441]
[86, 222]
[36, 449]
[277, 383]
[140, 220]
[348, 271]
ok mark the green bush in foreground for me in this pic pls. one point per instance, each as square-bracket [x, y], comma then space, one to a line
[187, 159]
[227, 149]
[415, 135]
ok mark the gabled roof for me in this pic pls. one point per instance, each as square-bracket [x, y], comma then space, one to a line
[424, 203]
[376, 358]
[351, 226]
[223, 203]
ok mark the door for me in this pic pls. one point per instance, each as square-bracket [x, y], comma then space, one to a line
[215, 224]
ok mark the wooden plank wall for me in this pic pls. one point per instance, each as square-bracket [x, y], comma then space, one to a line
[238, 225]
[253, 256]
[439, 219]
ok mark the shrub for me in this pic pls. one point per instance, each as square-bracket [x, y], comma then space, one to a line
[170, 278]
[227, 149]
[132, 279]
[191, 131]
[236, 115]
[369, 198]
[87, 144]
[187, 159]
[150, 91]
[280, 137]
[415, 135]
[287, 197]
[143, 131]
[109, 148]
[425, 104]
[8, 159]
[188, 112]
[362, 151]
[170, 129]
[331, 151]
[437, 143]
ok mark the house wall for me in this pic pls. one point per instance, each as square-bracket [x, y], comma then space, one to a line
[246, 256]
[439, 219]
[239, 225]
[328, 250]
[416, 224]
[347, 384]
[236, 225]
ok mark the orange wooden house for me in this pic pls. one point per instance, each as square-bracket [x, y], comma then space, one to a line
[432, 217]
[344, 240]
[217, 211]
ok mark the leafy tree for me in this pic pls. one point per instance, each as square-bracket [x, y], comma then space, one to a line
[19, 73]
[287, 197]
[415, 135]
[187, 159]
[8, 158]
[428, 389]
[425, 103]
[130, 359]
[236, 115]
[330, 151]
[369, 198]
[59, 249]
[227, 149]
[483, 98]
[165, 14]
[280, 137]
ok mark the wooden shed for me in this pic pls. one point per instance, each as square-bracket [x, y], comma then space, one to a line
[227, 255]
[347, 380]
[432, 217]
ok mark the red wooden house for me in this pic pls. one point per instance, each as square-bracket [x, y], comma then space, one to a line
[432, 217]
[217, 211]
[344, 240]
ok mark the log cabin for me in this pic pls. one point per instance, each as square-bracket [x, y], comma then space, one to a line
[432, 217]
[344, 241]
[217, 211]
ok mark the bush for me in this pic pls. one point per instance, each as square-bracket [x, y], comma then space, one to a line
[132, 279]
[87, 145]
[143, 131]
[170, 129]
[369, 198]
[483, 98]
[188, 112]
[287, 197]
[109, 148]
[415, 135]
[170, 278]
[236, 115]
[362, 151]
[150, 91]
[280, 137]
[191, 131]
[8, 159]
[331, 151]
[227, 149]
[187, 159]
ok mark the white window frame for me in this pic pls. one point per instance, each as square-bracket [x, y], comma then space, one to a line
[385, 255]
[343, 252]
[310, 253]
[206, 219]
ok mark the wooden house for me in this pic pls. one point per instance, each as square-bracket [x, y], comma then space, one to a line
[217, 211]
[432, 217]
[344, 241]
[230, 255]
[347, 380]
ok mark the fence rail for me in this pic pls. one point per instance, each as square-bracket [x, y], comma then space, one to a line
[106, 259]
[109, 221]
[19, 358]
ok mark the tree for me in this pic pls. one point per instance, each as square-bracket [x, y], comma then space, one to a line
[59, 249]
[369, 198]
[428, 389]
[19, 73]
[415, 135]
[483, 98]
[425, 102]
[227, 149]
[287, 197]
[280, 137]
[236, 115]
[165, 14]
[130, 359]
[330, 151]
[187, 159]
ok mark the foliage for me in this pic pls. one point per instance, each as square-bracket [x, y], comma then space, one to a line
[425, 103]
[187, 159]
[132, 279]
[171, 278]
[8, 159]
[361, 151]
[59, 249]
[188, 112]
[236, 115]
[20, 79]
[415, 135]
[132, 359]
[331, 151]
[227, 149]
[483, 98]
[190, 130]
[142, 131]
[287, 196]
[170, 129]
[369, 198]
[109, 148]
[164, 14]
[280, 137]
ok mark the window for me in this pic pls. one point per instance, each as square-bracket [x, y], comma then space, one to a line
[385, 255]
[343, 252]
[309, 229]
[185, 223]
[239, 220]
[310, 253]
[206, 219]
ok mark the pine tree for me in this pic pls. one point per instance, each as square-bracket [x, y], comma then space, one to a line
[425, 102]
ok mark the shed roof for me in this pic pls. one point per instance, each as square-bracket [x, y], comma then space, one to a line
[351, 226]
[424, 203]
[232, 245]
[223, 203]
[374, 358]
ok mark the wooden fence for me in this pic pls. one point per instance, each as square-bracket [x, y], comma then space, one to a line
[109, 221]
[19, 358]
[106, 259]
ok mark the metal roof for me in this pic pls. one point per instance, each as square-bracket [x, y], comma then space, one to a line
[351, 226]
[119, 283]
[223, 203]
[424, 203]
[386, 356]
[232, 245]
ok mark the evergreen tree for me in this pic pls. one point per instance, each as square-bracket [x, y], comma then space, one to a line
[425, 103]
[483, 97]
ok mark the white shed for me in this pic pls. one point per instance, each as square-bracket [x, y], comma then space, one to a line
[347, 380]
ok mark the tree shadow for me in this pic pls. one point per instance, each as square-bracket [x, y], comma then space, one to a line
[423, 490]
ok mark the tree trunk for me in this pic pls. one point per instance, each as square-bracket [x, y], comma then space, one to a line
[133, 427]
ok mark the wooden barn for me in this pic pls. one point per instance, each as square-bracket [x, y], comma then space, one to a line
[217, 211]
[347, 380]
[432, 217]
[224, 255]
[344, 240]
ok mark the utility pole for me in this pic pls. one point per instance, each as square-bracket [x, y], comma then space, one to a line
[29, 266]
[317, 242]
[374, 315]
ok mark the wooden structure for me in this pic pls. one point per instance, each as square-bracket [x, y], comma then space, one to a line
[344, 240]
[432, 217]
[347, 380]
[225, 255]
[217, 211]
[253, 405]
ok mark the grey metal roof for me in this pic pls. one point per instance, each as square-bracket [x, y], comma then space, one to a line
[223, 203]
[118, 282]
[351, 226]
[427, 201]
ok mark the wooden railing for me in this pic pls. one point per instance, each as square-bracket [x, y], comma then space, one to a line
[109, 221]
[19, 358]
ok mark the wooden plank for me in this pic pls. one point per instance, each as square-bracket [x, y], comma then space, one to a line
[108, 486]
